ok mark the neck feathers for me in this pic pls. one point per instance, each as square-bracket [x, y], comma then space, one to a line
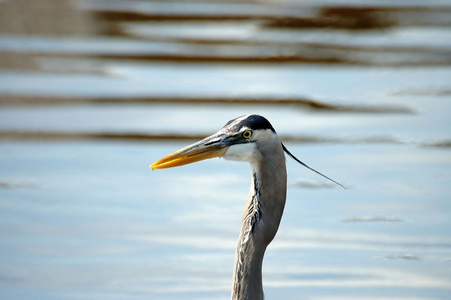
[252, 212]
[261, 218]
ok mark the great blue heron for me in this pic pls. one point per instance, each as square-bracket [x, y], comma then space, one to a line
[248, 138]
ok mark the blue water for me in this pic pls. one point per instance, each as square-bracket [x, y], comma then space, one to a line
[83, 217]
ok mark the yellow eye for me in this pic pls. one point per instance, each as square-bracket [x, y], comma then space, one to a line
[247, 134]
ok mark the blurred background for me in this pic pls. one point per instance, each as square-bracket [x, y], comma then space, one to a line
[93, 91]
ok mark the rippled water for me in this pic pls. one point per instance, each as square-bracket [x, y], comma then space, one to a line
[93, 92]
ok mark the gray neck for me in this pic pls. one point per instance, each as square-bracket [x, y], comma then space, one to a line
[261, 218]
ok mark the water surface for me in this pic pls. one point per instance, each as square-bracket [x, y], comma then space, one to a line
[359, 91]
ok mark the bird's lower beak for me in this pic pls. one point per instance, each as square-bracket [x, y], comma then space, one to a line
[209, 147]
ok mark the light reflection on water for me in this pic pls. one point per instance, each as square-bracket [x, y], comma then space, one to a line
[82, 217]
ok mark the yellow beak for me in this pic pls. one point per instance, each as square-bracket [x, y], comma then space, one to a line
[209, 147]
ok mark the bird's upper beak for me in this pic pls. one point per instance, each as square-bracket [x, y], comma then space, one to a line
[213, 146]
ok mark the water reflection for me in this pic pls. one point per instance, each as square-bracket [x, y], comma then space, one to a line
[91, 92]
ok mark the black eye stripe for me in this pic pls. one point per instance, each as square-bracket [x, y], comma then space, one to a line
[254, 122]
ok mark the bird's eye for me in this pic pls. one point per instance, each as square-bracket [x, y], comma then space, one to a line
[247, 134]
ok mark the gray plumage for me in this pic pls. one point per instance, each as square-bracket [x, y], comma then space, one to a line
[261, 219]
[248, 138]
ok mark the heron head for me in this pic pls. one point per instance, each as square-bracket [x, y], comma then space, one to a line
[248, 138]
[236, 141]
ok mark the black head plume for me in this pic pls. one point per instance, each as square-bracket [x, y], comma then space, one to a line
[296, 159]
